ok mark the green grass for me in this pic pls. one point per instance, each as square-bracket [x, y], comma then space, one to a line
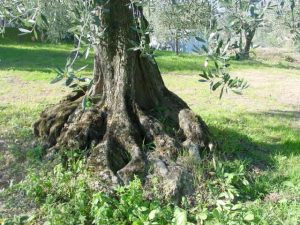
[45, 57]
[255, 130]
[192, 63]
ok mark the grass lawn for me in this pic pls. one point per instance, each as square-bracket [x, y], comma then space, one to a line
[259, 130]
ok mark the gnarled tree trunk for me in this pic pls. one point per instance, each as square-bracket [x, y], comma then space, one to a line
[135, 126]
[249, 35]
[245, 52]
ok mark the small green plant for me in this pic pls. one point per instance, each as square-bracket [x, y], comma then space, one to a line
[65, 197]
[63, 194]
[131, 206]
[161, 114]
[16, 220]
[223, 205]
[35, 154]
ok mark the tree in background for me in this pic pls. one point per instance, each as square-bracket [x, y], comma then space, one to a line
[290, 12]
[174, 20]
[244, 18]
[282, 28]
[55, 28]
[59, 20]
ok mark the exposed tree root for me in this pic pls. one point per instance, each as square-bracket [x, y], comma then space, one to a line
[145, 144]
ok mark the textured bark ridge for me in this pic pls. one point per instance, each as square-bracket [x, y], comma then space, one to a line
[135, 126]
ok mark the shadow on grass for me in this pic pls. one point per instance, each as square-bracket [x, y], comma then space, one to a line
[51, 56]
[284, 140]
[193, 63]
[287, 114]
[258, 156]
[260, 64]
[42, 60]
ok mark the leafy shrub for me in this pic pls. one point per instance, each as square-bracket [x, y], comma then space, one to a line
[289, 58]
[66, 198]
[17, 220]
[64, 194]
[223, 205]
[35, 154]
[130, 207]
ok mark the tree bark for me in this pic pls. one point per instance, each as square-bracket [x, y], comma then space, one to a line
[135, 125]
[176, 43]
[249, 37]
[245, 53]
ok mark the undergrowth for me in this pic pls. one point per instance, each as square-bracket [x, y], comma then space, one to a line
[65, 196]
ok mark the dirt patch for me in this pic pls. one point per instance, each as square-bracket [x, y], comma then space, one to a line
[12, 171]
[5, 160]
[283, 88]
[273, 197]
[18, 91]
[278, 54]
[13, 162]
[271, 90]
[14, 81]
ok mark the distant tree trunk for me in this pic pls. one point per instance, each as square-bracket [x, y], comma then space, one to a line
[177, 46]
[176, 43]
[135, 125]
[249, 38]
[2, 22]
[241, 42]
[245, 53]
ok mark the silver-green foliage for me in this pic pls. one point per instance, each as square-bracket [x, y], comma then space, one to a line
[53, 19]
[244, 18]
[216, 48]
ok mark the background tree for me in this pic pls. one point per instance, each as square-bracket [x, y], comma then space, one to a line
[244, 18]
[175, 20]
[289, 11]
[52, 20]
[59, 20]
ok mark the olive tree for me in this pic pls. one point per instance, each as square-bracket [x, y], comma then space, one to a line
[245, 18]
[126, 118]
[173, 20]
[289, 11]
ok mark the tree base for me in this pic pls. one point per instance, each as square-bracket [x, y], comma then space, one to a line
[136, 142]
